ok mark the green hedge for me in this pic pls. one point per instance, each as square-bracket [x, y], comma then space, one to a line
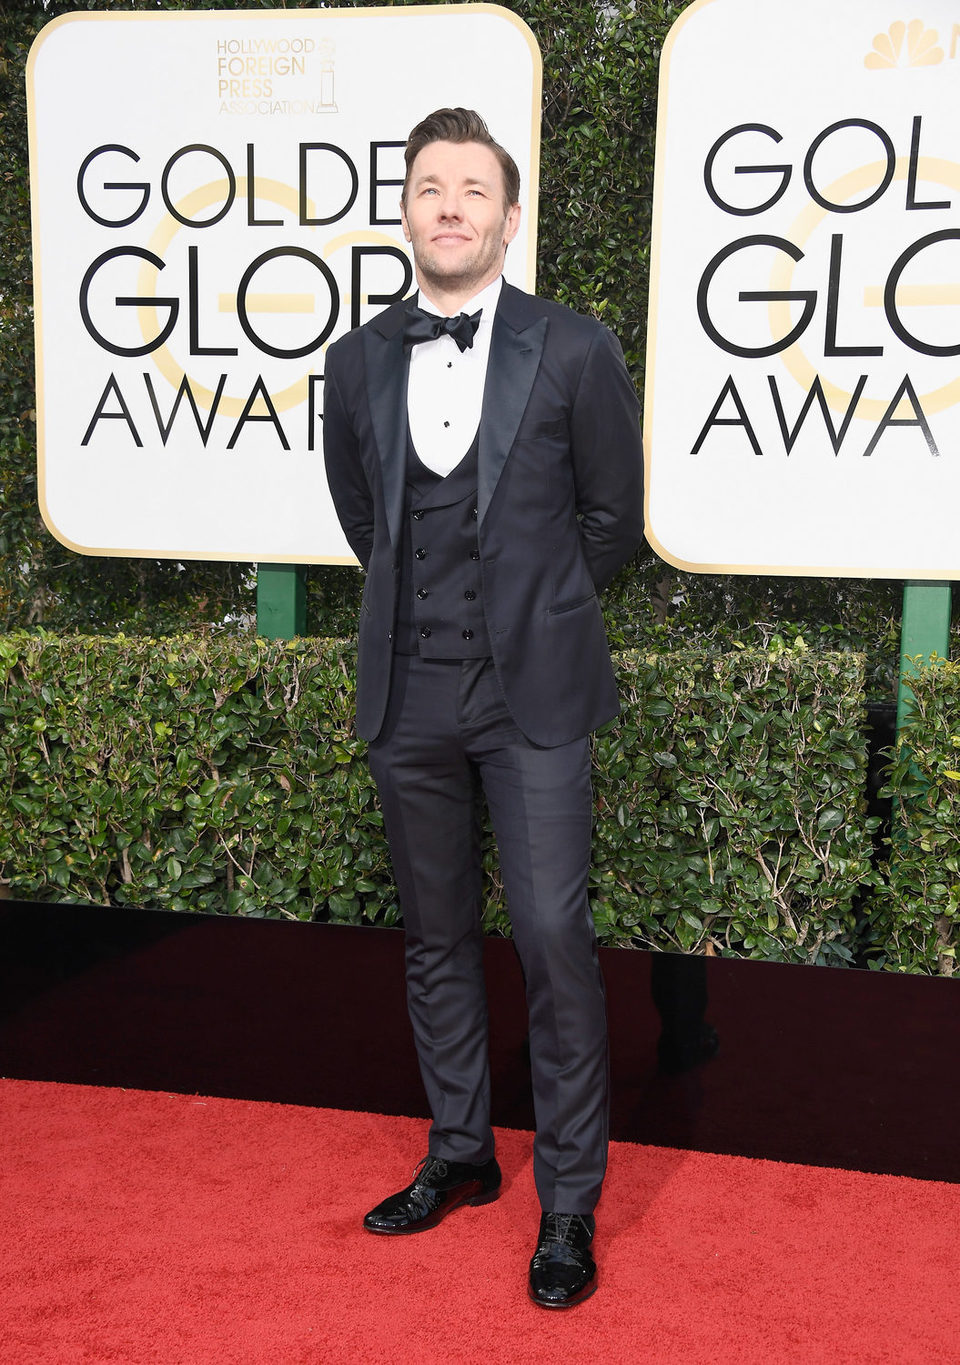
[224, 776]
[189, 774]
[917, 918]
[731, 804]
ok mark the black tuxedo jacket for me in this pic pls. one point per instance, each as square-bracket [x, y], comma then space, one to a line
[559, 503]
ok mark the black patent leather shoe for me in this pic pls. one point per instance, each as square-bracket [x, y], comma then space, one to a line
[563, 1272]
[438, 1188]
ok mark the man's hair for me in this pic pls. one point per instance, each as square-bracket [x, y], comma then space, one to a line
[460, 125]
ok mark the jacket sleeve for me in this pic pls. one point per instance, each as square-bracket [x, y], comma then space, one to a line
[607, 453]
[346, 477]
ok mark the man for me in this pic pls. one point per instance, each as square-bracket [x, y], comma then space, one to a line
[483, 453]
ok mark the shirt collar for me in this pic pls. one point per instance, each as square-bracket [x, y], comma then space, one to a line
[486, 301]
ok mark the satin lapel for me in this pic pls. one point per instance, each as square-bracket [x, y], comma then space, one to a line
[511, 370]
[387, 394]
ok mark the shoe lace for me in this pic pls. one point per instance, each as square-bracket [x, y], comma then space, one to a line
[557, 1227]
[430, 1168]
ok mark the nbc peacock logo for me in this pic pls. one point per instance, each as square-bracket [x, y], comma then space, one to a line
[905, 45]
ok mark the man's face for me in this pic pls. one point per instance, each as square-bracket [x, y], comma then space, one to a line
[455, 217]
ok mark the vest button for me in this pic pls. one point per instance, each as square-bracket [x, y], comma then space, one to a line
[426, 632]
[467, 634]
[422, 593]
[474, 554]
[418, 515]
[420, 553]
[473, 513]
[470, 595]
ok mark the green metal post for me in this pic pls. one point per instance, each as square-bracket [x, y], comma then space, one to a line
[281, 601]
[924, 630]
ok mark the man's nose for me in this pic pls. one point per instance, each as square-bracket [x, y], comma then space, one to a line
[450, 207]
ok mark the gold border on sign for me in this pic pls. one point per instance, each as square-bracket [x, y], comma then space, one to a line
[941, 395]
[226, 17]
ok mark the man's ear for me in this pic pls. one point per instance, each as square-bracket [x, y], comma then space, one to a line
[512, 225]
[403, 220]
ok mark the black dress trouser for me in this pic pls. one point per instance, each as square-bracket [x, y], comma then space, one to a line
[447, 731]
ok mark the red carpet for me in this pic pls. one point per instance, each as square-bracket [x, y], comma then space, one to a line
[141, 1227]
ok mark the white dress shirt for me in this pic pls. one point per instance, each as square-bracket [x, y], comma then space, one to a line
[445, 387]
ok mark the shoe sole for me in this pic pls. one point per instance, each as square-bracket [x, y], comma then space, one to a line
[428, 1223]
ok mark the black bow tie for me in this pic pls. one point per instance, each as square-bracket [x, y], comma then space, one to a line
[421, 326]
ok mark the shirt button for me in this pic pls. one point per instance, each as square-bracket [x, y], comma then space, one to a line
[474, 554]
[470, 595]
[426, 632]
[418, 516]
[467, 634]
[420, 553]
[422, 593]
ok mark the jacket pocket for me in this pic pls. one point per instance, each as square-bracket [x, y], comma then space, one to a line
[537, 431]
[561, 607]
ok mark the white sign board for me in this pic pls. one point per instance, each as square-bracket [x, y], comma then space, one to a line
[803, 385]
[215, 199]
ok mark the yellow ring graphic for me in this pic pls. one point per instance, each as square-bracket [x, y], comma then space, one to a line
[274, 192]
[933, 170]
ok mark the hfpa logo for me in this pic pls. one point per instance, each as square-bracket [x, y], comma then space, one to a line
[908, 45]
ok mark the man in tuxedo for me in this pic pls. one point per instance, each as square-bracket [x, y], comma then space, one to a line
[483, 451]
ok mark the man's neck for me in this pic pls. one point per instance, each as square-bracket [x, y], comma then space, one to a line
[450, 302]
